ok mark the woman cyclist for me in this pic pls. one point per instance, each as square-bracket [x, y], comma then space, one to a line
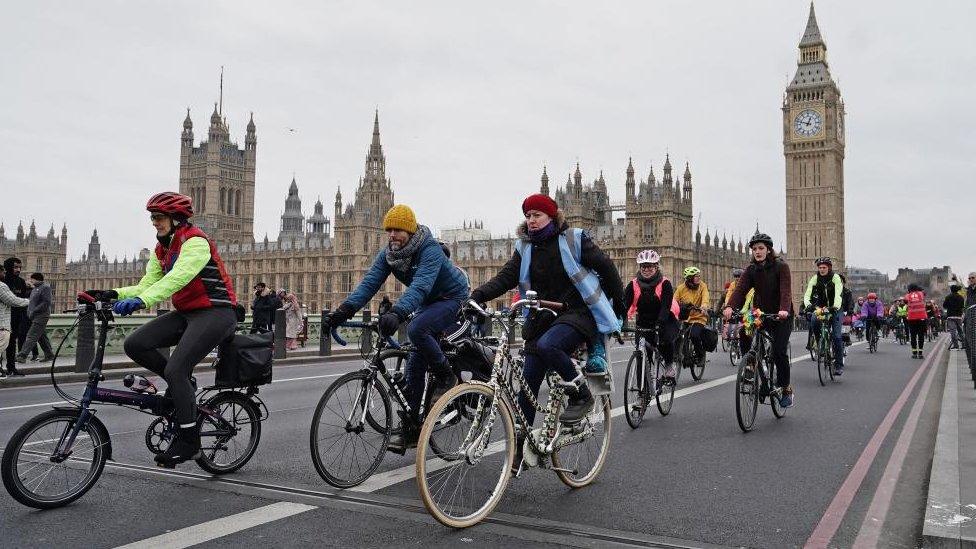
[560, 264]
[650, 297]
[187, 269]
[693, 294]
[770, 276]
[436, 288]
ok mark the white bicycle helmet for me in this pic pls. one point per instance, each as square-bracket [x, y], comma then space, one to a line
[648, 256]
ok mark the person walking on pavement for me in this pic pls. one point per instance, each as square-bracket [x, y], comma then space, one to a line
[954, 305]
[18, 315]
[917, 318]
[293, 321]
[971, 290]
[263, 308]
[39, 313]
[7, 300]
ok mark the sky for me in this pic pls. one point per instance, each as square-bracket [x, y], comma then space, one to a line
[474, 99]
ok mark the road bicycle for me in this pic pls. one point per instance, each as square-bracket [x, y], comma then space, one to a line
[463, 470]
[825, 347]
[353, 420]
[685, 355]
[58, 455]
[734, 347]
[872, 335]
[900, 332]
[757, 361]
[645, 378]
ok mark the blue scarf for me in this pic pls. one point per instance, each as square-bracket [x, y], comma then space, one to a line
[541, 235]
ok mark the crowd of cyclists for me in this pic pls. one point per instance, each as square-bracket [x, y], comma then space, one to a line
[557, 262]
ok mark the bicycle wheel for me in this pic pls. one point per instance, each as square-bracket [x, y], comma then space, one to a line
[828, 363]
[34, 479]
[229, 438]
[350, 429]
[635, 392]
[698, 367]
[734, 354]
[812, 345]
[747, 393]
[821, 372]
[665, 389]
[464, 488]
[778, 410]
[725, 343]
[578, 463]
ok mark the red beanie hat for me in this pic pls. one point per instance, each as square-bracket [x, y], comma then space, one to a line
[541, 203]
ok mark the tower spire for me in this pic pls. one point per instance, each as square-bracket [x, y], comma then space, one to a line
[376, 129]
[811, 35]
[221, 99]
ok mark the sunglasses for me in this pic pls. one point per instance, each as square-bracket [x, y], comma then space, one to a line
[157, 217]
[648, 266]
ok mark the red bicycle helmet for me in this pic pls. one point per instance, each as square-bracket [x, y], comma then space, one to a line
[872, 295]
[171, 203]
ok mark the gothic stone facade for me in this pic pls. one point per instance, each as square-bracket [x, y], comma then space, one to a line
[813, 144]
[41, 254]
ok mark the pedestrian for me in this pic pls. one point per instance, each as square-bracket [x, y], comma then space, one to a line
[263, 308]
[7, 300]
[293, 321]
[39, 313]
[971, 290]
[917, 319]
[953, 305]
[18, 315]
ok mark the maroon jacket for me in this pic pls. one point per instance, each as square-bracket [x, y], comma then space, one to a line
[773, 285]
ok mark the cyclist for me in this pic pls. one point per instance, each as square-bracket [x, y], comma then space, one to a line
[916, 318]
[826, 289]
[770, 277]
[650, 296]
[872, 312]
[729, 290]
[561, 264]
[435, 290]
[953, 305]
[693, 292]
[187, 269]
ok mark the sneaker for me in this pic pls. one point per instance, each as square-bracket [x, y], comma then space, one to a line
[185, 447]
[838, 371]
[578, 406]
[786, 400]
[21, 358]
[444, 380]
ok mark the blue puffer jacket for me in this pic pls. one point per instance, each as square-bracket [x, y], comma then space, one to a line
[431, 277]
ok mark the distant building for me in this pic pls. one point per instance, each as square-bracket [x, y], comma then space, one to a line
[862, 281]
[934, 281]
[42, 254]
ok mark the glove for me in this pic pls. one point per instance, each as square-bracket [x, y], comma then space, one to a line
[388, 324]
[128, 306]
[342, 313]
[477, 297]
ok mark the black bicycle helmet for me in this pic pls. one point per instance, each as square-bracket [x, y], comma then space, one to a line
[824, 261]
[761, 237]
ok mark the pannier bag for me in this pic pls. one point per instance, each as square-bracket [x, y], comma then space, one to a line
[709, 338]
[474, 357]
[244, 360]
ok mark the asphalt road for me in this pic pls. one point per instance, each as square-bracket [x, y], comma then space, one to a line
[689, 479]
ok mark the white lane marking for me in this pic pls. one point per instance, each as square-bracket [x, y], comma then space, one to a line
[39, 404]
[217, 528]
[395, 476]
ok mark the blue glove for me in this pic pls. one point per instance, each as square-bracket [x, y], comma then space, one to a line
[127, 306]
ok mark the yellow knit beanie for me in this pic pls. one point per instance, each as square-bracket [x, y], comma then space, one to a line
[400, 217]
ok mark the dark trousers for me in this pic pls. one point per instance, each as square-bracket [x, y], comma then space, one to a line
[18, 335]
[193, 334]
[780, 331]
[424, 332]
[37, 335]
[695, 333]
[916, 333]
[553, 349]
[667, 333]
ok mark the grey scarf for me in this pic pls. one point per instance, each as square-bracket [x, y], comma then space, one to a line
[399, 260]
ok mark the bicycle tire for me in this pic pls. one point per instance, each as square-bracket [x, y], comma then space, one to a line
[427, 464]
[664, 404]
[820, 370]
[778, 410]
[361, 380]
[560, 459]
[10, 464]
[243, 412]
[734, 353]
[635, 400]
[828, 365]
[746, 394]
[698, 367]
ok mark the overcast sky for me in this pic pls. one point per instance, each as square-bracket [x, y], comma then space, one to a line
[473, 103]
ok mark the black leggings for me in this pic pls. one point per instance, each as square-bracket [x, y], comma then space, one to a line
[192, 334]
[780, 330]
[916, 333]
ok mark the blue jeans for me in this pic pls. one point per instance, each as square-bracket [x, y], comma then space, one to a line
[424, 331]
[553, 350]
[836, 336]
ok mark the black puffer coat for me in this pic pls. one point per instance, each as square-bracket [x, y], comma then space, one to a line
[549, 279]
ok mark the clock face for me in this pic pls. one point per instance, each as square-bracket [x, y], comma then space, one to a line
[808, 123]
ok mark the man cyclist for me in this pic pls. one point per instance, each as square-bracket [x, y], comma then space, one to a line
[187, 269]
[825, 289]
[650, 296]
[435, 290]
[872, 313]
[693, 295]
[770, 277]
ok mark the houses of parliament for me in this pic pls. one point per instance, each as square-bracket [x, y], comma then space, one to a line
[321, 258]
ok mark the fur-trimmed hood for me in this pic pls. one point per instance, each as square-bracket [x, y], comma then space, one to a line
[522, 231]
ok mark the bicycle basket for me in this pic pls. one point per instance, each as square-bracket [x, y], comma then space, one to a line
[244, 360]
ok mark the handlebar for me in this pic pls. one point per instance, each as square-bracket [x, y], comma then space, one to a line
[390, 342]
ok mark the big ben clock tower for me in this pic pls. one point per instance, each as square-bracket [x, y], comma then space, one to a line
[813, 144]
